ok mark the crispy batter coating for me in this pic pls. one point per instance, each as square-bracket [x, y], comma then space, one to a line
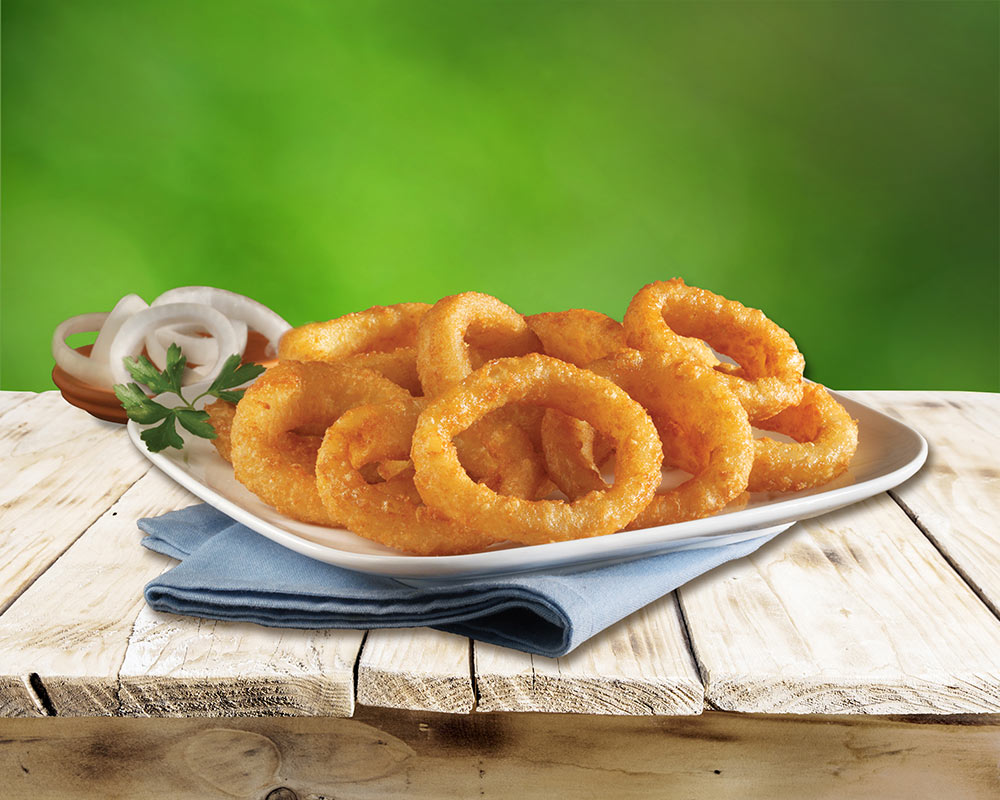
[458, 335]
[464, 325]
[399, 366]
[377, 329]
[220, 417]
[578, 335]
[703, 429]
[769, 376]
[550, 382]
[390, 512]
[826, 439]
[274, 437]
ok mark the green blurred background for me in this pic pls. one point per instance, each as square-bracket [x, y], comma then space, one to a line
[835, 164]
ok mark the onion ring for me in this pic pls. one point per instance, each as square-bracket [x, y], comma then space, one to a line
[379, 329]
[701, 424]
[769, 378]
[389, 512]
[236, 307]
[458, 334]
[130, 304]
[71, 361]
[548, 381]
[399, 366]
[459, 325]
[573, 453]
[198, 348]
[274, 432]
[132, 334]
[578, 335]
[220, 416]
[826, 439]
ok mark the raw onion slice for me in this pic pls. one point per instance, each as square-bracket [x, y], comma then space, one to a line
[132, 335]
[256, 315]
[130, 304]
[75, 363]
[197, 348]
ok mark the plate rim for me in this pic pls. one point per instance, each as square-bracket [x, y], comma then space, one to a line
[574, 552]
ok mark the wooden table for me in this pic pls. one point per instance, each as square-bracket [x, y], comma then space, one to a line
[857, 653]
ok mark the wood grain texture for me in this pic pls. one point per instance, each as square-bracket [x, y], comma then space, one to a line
[642, 665]
[60, 469]
[955, 498]
[186, 667]
[9, 400]
[71, 627]
[392, 753]
[852, 612]
[416, 668]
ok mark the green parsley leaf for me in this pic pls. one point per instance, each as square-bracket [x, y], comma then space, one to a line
[231, 396]
[174, 370]
[142, 370]
[233, 374]
[146, 411]
[139, 407]
[196, 422]
[163, 435]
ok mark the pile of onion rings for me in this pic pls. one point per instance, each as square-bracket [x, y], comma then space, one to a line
[464, 425]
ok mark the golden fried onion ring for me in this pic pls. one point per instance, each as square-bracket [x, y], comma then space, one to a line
[399, 366]
[703, 429]
[390, 512]
[769, 377]
[826, 439]
[220, 417]
[458, 334]
[578, 335]
[278, 424]
[379, 329]
[459, 325]
[547, 381]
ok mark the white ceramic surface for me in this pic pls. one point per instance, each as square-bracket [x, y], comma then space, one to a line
[889, 452]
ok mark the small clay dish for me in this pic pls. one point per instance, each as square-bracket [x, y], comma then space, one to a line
[103, 404]
[95, 400]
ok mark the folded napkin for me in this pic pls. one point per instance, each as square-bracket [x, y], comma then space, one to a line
[229, 572]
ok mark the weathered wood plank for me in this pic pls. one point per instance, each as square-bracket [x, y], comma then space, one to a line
[642, 665]
[392, 753]
[60, 469]
[9, 400]
[71, 627]
[851, 612]
[955, 498]
[416, 668]
[186, 667]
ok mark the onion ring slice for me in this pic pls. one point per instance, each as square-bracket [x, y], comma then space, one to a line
[132, 336]
[74, 363]
[236, 307]
[389, 512]
[101, 352]
[702, 426]
[664, 315]
[826, 439]
[278, 425]
[444, 355]
[578, 335]
[379, 329]
[542, 380]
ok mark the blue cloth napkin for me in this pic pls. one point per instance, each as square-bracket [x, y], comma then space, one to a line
[229, 572]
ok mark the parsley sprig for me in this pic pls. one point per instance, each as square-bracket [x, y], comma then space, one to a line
[146, 411]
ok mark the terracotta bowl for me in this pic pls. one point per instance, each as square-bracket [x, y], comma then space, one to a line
[103, 404]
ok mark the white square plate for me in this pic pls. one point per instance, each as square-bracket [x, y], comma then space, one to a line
[888, 453]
